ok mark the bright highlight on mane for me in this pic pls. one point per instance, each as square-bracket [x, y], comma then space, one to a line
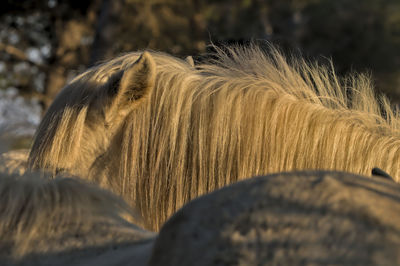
[161, 132]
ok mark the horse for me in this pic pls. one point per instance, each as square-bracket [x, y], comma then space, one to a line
[292, 218]
[160, 131]
[66, 220]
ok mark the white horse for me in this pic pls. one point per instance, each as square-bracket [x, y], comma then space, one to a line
[65, 221]
[161, 132]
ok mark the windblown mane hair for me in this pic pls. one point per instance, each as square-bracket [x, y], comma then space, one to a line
[190, 130]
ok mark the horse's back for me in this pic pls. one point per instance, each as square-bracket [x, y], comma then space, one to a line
[66, 221]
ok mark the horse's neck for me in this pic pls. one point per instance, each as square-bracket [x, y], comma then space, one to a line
[340, 144]
[374, 150]
[287, 134]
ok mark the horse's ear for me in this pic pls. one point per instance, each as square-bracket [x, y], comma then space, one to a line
[189, 60]
[137, 81]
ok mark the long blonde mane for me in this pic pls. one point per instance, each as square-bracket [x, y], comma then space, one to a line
[243, 114]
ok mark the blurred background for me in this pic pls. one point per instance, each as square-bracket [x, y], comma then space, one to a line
[45, 43]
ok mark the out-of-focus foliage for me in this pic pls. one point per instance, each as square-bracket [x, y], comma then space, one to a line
[41, 41]
[358, 35]
[19, 117]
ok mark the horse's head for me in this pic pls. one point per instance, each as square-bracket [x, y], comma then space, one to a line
[88, 112]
